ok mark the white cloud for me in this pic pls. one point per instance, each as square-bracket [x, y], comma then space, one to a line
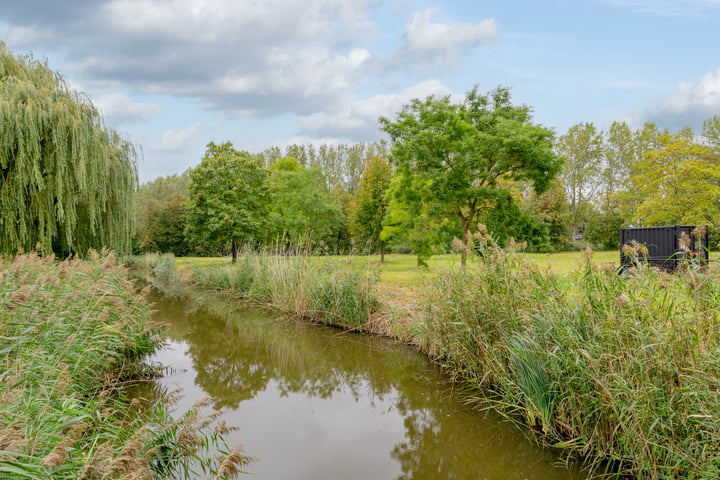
[358, 119]
[269, 57]
[24, 36]
[118, 108]
[226, 21]
[305, 73]
[443, 41]
[178, 140]
[689, 105]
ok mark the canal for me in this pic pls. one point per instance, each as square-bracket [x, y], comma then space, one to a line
[313, 402]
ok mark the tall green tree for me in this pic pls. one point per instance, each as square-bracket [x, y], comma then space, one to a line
[460, 152]
[680, 182]
[582, 148]
[66, 182]
[301, 206]
[164, 226]
[160, 215]
[226, 199]
[370, 205]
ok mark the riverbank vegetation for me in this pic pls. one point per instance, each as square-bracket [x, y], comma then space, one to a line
[619, 371]
[73, 335]
[331, 291]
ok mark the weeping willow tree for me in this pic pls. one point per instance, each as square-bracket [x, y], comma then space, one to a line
[66, 182]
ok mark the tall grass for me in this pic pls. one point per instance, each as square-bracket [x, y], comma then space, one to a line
[623, 371]
[321, 289]
[72, 335]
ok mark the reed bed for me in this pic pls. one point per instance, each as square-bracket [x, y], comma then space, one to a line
[622, 371]
[330, 291]
[72, 337]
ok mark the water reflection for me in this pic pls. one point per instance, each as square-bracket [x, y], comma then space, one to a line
[316, 403]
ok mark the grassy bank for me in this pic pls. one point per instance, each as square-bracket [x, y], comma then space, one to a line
[72, 335]
[623, 371]
[327, 290]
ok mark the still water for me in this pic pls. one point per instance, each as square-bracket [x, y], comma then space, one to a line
[316, 403]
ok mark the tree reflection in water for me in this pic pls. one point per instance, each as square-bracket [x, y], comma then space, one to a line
[240, 354]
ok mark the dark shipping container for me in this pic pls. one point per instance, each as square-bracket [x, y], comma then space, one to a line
[663, 245]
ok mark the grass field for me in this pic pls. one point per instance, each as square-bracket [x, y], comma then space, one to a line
[400, 271]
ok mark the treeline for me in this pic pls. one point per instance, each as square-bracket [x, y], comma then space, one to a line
[347, 198]
[69, 184]
[299, 197]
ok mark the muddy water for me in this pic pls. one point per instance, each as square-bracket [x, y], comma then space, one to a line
[316, 403]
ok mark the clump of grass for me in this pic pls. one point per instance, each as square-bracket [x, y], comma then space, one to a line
[72, 335]
[335, 292]
[620, 370]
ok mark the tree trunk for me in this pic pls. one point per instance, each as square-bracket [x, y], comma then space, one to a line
[382, 251]
[234, 251]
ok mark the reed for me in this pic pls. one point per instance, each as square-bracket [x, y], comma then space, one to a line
[72, 337]
[334, 292]
[622, 371]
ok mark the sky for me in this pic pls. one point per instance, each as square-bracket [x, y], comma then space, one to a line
[174, 75]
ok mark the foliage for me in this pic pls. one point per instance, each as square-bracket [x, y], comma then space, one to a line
[552, 208]
[460, 152]
[164, 226]
[301, 207]
[506, 221]
[341, 164]
[680, 183]
[370, 204]
[621, 370]
[152, 199]
[67, 182]
[582, 149]
[324, 290]
[411, 219]
[226, 199]
[72, 335]
[711, 132]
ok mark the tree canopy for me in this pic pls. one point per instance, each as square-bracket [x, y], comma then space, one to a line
[369, 204]
[582, 148]
[680, 183]
[67, 181]
[462, 151]
[226, 199]
[300, 204]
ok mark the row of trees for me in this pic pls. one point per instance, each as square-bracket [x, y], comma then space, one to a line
[297, 199]
[641, 177]
[451, 166]
[68, 183]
